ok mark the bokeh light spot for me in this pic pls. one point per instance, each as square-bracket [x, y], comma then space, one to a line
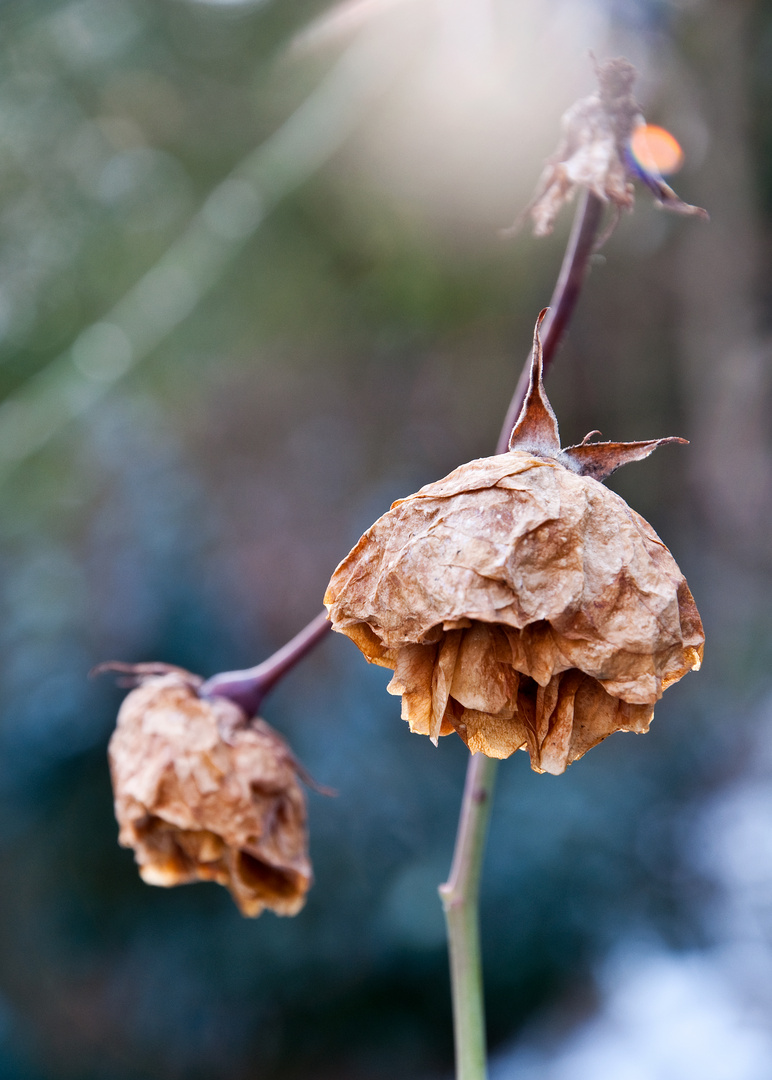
[656, 150]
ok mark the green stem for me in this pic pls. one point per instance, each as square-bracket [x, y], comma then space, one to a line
[460, 900]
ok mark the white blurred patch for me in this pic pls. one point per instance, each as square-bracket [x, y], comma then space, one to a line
[342, 20]
[664, 1017]
[686, 1016]
[461, 136]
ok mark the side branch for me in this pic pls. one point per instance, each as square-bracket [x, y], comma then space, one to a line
[248, 688]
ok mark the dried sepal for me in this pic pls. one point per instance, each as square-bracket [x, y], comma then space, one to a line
[594, 153]
[600, 460]
[203, 795]
[519, 602]
[537, 426]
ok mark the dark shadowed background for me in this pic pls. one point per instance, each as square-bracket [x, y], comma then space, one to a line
[252, 289]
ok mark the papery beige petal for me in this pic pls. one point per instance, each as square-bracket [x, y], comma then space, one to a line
[556, 743]
[494, 736]
[413, 670]
[554, 548]
[442, 677]
[484, 680]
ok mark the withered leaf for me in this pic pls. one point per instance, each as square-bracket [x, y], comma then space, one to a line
[200, 795]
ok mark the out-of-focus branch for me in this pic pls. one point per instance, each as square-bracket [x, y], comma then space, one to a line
[104, 352]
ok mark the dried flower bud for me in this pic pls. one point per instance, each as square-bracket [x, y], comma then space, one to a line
[594, 153]
[519, 602]
[202, 795]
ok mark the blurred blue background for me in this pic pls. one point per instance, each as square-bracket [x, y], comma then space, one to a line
[252, 290]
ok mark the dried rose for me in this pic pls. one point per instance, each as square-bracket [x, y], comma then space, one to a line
[203, 795]
[594, 153]
[519, 602]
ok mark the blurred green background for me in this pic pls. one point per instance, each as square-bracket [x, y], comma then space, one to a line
[252, 289]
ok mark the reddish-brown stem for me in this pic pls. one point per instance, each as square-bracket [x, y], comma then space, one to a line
[581, 245]
[248, 688]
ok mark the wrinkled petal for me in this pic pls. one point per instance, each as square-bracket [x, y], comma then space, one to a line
[484, 680]
[497, 710]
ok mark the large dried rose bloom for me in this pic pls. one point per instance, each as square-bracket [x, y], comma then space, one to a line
[203, 795]
[519, 602]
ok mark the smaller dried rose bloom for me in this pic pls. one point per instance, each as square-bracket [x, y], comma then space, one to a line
[594, 153]
[519, 602]
[203, 795]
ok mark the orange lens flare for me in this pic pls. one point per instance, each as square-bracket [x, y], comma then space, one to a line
[656, 150]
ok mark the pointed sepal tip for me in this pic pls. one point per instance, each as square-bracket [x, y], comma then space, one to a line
[537, 426]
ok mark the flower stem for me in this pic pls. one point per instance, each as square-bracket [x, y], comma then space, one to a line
[460, 901]
[461, 893]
